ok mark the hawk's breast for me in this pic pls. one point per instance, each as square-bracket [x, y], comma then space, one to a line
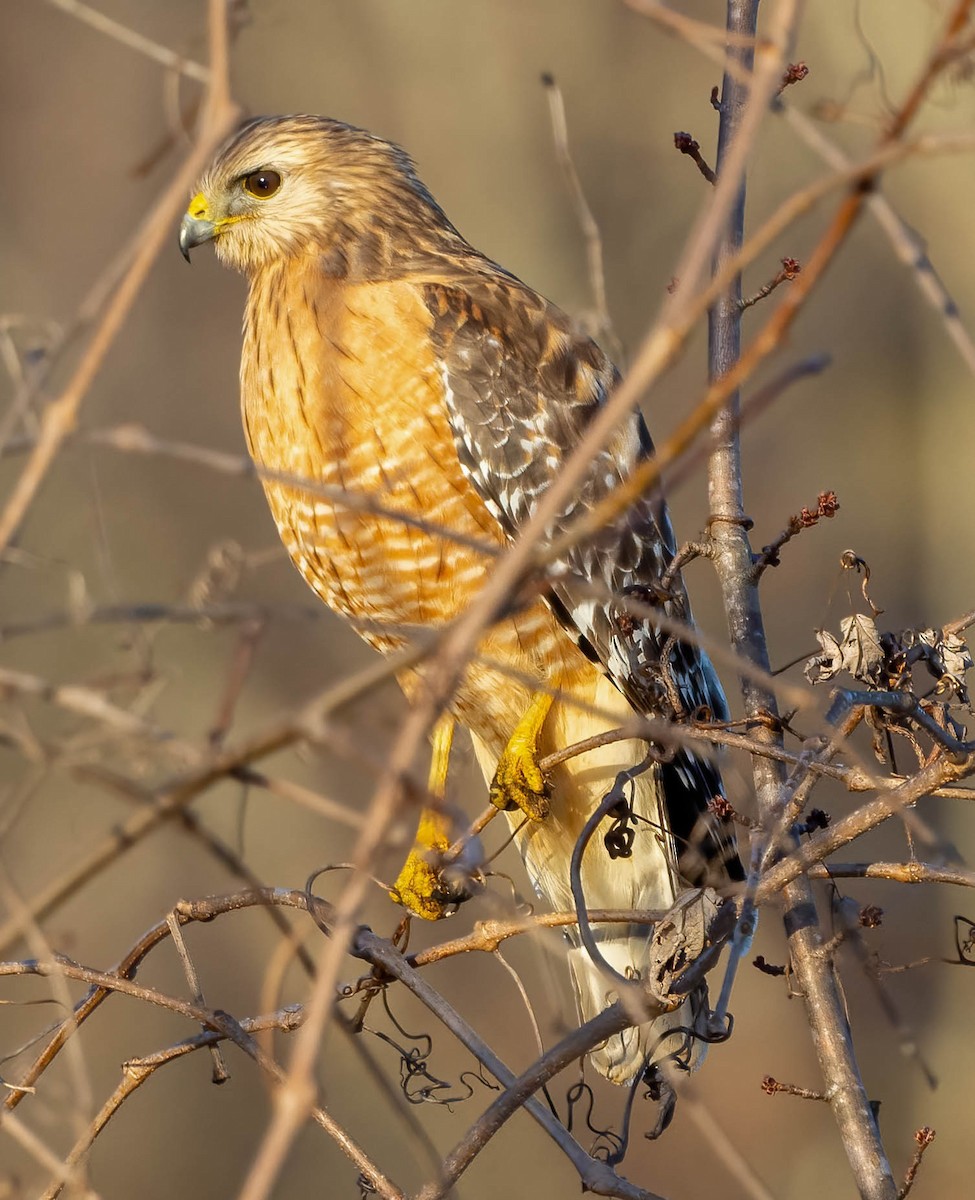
[341, 387]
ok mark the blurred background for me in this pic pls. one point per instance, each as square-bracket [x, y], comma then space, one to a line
[91, 135]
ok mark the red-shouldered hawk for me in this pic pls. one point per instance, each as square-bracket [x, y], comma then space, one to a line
[385, 356]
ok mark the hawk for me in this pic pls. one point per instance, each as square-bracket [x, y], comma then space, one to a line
[387, 360]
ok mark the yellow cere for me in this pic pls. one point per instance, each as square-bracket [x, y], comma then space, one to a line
[199, 209]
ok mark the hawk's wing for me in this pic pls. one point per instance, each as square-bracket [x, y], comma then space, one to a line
[521, 388]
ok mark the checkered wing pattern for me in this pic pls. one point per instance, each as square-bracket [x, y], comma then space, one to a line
[521, 389]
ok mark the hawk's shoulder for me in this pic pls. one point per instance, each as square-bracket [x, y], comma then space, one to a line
[520, 381]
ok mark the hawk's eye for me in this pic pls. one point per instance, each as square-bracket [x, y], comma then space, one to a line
[262, 183]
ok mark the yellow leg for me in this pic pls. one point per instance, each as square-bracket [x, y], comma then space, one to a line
[518, 783]
[419, 886]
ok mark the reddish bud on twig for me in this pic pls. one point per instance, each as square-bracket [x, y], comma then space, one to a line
[770, 1086]
[724, 810]
[790, 269]
[794, 73]
[827, 505]
[721, 807]
[924, 1137]
[687, 145]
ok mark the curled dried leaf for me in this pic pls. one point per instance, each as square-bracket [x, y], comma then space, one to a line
[946, 656]
[858, 650]
[679, 938]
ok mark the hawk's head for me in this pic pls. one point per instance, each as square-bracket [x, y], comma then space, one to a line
[287, 186]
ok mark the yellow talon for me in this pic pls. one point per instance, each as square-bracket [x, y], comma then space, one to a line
[420, 886]
[518, 783]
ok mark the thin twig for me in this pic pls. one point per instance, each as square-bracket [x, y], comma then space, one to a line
[685, 144]
[826, 506]
[220, 1072]
[63, 1172]
[789, 270]
[960, 624]
[151, 613]
[60, 416]
[584, 215]
[83, 701]
[135, 41]
[923, 1138]
[902, 872]
[772, 1087]
[487, 936]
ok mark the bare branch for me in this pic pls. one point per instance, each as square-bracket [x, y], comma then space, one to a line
[904, 872]
[60, 416]
[923, 1137]
[135, 41]
[584, 214]
[790, 269]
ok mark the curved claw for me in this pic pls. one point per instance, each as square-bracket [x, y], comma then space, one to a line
[421, 888]
[518, 782]
[425, 886]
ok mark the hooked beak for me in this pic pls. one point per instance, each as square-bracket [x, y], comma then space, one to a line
[194, 232]
[196, 226]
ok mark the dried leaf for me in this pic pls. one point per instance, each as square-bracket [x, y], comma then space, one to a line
[945, 655]
[824, 666]
[857, 651]
[948, 661]
[863, 653]
[679, 938]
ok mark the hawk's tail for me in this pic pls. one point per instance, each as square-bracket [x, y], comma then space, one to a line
[629, 863]
[669, 1038]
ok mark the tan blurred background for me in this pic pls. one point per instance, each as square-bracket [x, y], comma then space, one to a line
[890, 427]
